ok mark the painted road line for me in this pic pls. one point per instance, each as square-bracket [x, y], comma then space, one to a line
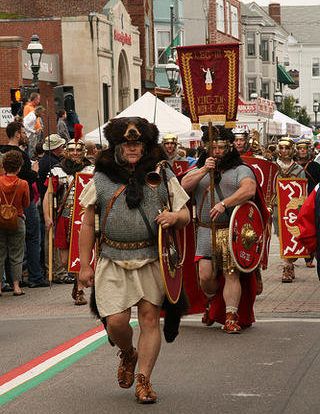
[194, 319]
[44, 367]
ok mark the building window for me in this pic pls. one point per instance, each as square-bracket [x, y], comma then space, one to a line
[251, 44]
[136, 94]
[228, 19]
[316, 67]
[147, 39]
[264, 51]
[220, 15]
[234, 22]
[252, 86]
[163, 43]
[265, 92]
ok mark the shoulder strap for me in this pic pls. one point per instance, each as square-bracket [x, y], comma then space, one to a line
[65, 197]
[13, 197]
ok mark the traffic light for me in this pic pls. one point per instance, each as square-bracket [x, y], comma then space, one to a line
[64, 98]
[16, 101]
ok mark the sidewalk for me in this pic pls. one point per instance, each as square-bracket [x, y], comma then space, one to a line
[300, 298]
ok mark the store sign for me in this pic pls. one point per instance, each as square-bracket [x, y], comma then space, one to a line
[49, 67]
[175, 102]
[265, 107]
[5, 117]
[122, 37]
[294, 73]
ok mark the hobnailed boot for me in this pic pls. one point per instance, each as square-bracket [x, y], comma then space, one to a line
[126, 368]
[288, 273]
[206, 316]
[144, 391]
[231, 325]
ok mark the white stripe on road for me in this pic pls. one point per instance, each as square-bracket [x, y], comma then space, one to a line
[39, 369]
[311, 320]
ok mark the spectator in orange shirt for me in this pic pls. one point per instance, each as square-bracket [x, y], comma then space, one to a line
[15, 191]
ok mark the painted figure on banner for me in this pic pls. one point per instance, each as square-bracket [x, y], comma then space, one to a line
[230, 293]
[288, 168]
[63, 178]
[129, 270]
[209, 78]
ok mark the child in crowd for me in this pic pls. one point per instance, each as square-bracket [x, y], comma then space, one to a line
[13, 191]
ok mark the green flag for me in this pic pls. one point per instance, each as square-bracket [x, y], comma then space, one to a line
[176, 42]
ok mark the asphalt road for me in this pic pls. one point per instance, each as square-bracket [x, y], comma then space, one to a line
[273, 367]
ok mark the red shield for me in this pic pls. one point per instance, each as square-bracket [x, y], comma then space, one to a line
[170, 262]
[266, 173]
[77, 216]
[291, 195]
[246, 236]
[180, 167]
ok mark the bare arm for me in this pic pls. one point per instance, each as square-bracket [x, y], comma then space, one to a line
[246, 190]
[178, 219]
[86, 244]
[191, 180]
[45, 207]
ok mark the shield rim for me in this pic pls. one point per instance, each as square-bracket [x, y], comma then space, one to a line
[242, 269]
[171, 300]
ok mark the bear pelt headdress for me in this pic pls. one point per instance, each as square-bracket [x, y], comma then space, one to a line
[130, 129]
[230, 160]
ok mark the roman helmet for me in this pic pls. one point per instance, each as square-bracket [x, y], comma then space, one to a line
[170, 138]
[286, 142]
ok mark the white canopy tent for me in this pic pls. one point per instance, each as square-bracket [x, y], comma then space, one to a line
[148, 106]
[286, 120]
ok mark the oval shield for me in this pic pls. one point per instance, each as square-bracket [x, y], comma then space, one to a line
[170, 263]
[246, 236]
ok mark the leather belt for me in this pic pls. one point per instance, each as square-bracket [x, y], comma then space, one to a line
[222, 225]
[127, 245]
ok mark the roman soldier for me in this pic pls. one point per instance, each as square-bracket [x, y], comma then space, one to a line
[304, 157]
[287, 168]
[128, 270]
[170, 146]
[241, 141]
[230, 294]
[63, 178]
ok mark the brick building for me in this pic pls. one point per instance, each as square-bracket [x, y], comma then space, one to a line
[13, 59]
[105, 74]
[141, 12]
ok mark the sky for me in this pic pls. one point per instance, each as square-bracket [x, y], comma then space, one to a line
[286, 2]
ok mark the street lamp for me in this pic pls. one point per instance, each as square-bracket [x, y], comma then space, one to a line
[253, 96]
[297, 108]
[35, 51]
[315, 110]
[172, 71]
[277, 97]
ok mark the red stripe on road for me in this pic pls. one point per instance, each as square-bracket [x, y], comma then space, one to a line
[53, 352]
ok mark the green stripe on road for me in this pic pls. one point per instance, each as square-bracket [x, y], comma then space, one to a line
[51, 372]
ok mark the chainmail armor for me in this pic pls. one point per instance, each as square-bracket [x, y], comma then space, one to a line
[126, 225]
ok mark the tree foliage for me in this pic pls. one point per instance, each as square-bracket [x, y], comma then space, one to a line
[287, 106]
[303, 117]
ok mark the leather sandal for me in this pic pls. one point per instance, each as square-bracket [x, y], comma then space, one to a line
[206, 316]
[126, 368]
[80, 298]
[288, 274]
[231, 325]
[144, 392]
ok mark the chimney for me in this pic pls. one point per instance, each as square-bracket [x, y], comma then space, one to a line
[275, 12]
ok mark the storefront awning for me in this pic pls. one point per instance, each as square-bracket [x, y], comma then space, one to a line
[283, 76]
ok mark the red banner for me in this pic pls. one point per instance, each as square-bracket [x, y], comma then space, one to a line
[210, 76]
[291, 195]
[74, 262]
